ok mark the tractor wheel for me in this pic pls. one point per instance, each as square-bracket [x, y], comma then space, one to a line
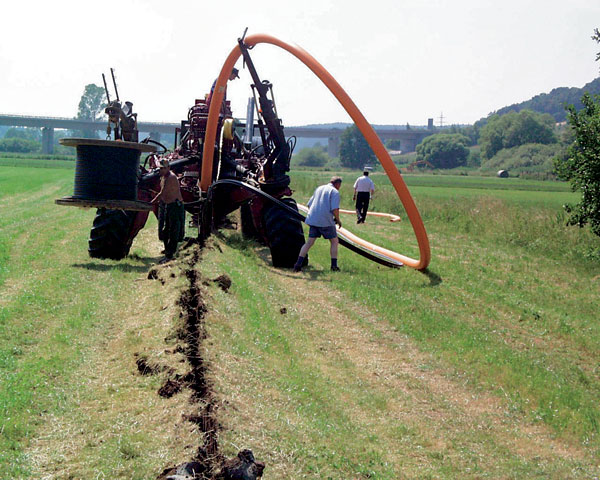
[109, 237]
[248, 227]
[284, 233]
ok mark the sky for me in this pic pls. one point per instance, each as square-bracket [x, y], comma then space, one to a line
[401, 61]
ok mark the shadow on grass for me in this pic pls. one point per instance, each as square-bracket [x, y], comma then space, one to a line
[251, 247]
[125, 267]
[434, 278]
[265, 255]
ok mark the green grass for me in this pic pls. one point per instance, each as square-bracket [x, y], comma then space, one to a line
[305, 395]
[36, 163]
[511, 270]
[507, 313]
[58, 309]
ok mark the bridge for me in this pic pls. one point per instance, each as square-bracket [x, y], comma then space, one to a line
[409, 138]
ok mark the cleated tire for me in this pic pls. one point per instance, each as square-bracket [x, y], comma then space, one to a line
[284, 234]
[109, 237]
[248, 228]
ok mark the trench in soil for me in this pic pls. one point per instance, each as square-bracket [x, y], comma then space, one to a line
[208, 462]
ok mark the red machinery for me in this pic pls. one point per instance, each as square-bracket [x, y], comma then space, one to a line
[245, 174]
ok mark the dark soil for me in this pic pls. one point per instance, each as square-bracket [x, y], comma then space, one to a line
[169, 388]
[146, 367]
[209, 463]
[223, 281]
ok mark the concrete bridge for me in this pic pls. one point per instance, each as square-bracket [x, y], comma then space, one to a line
[409, 138]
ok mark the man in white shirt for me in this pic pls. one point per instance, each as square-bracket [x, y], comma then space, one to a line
[364, 189]
[323, 214]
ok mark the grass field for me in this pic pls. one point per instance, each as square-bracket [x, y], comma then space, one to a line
[486, 366]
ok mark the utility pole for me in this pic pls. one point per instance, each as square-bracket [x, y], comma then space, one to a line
[441, 119]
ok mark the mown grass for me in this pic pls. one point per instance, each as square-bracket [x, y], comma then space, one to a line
[63, 412]
[36, 162]
[305, 399]
[509, 305]
[515, 284]
[367, 375]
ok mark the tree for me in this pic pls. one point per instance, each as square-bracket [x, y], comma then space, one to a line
[355, 152]
[394, 144]
[312, 157]
[444, 150]
[91, 107]
[26, 133]
[582, 165]
[19, 145]
[514, 129]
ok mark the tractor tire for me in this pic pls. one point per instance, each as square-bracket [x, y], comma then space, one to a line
[248, 228]
[284, 234]
[109, 237]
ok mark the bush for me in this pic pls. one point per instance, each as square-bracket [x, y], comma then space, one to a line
[312, 157]
[444, 150]
[529, 158]
[25, 133]
[515, 129]
[19, 145]
[474, 158]
[393, 144]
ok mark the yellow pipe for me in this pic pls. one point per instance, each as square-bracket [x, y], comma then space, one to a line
[358, 118]
[363, 243]
[391, 216]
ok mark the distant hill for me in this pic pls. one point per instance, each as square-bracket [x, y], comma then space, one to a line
[555, 101]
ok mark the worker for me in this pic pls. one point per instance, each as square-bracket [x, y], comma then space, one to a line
[323, 214]
[232, 76]
[171, 218]
[364, 189]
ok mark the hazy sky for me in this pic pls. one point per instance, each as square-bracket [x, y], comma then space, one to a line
[400, 60]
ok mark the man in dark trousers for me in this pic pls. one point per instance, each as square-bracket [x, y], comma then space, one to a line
[364, 189]
[323, 214]
[171, 213]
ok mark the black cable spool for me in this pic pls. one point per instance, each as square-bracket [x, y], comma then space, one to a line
[106, 170]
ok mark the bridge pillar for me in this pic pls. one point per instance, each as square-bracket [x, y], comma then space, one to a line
[408, 145]
[333, 146]
[47, 140]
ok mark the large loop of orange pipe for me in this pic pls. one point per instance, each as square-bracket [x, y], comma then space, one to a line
[358, 118]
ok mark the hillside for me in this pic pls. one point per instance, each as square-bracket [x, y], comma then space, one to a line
[555, 101]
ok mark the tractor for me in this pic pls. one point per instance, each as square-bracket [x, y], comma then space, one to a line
[247, 173]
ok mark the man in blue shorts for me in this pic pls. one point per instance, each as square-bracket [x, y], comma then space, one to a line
[323, 214]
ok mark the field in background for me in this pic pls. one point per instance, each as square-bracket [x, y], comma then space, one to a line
[486, 366]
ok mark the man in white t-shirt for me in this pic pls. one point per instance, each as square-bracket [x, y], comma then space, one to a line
[364, 189]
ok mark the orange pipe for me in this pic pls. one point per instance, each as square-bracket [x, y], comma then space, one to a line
[358, 118]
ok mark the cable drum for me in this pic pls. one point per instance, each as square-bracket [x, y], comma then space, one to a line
[105, 169]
